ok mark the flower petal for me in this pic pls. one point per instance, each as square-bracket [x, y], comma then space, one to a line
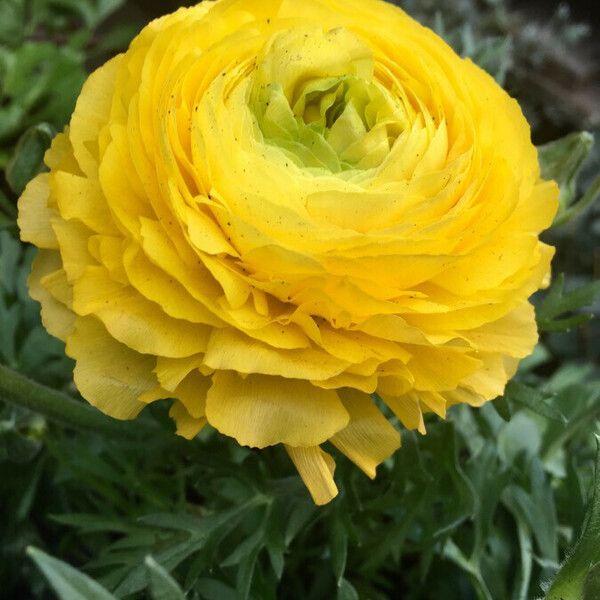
[408, 409]
[231, 350]
[57, 318]
[316, 469]
[369, 438]
[108, 374]
[35, 216]
[260, 411]
[187, 426]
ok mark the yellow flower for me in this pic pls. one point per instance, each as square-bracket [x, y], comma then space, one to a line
[271, 210]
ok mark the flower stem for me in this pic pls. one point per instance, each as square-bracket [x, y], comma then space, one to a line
[57, 406]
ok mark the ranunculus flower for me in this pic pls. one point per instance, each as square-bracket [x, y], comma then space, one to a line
[270, 210]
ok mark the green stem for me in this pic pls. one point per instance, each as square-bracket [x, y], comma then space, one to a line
[57, 406]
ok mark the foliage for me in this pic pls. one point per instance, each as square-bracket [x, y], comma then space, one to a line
[486, 506]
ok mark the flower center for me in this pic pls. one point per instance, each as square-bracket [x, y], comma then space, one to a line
[320, 104]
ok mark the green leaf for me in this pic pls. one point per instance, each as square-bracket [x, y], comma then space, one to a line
[453, 553]
[581, 563]
[68, 582]
[503, 407]
[591, 587]
[93, 12]
[300, 515]
[12, 22]
[338, 544]
[245, 573]
[170, 557]
[523, 577]
[213, 589]
[40, 84]
[537, 508]
[249, 545]
[533, 399]
[557, 303]
[562, 160]
[27, 160]
[521, 435]
[346, 591]
[162, 585]
[580, 403]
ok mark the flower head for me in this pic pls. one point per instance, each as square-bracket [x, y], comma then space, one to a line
[270, 211]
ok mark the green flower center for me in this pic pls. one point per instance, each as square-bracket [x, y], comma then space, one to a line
[314, 97]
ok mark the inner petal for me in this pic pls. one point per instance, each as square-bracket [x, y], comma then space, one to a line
[321, 104]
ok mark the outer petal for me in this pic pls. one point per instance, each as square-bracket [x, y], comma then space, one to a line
[135, 321]
[515, 334]
[108, 374]
[91, 114]
[408, 409]
[261, 411]
[369, 438]
[187, 426]
[316, 469]
[57, 318]
[34, 215]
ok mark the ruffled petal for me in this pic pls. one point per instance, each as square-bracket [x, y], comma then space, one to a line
[316, 468]
[187, 426]
[260, 411]
[108, 374]
[35, 216]
[369, 438]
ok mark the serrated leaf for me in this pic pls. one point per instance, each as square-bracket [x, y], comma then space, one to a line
[162, 585]
[68, 582]
[488, 478]
[557, 302]
[569, 583]
[170, 557]
[27, 159]
[537, 508]
[534, 400]
[580, 403]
